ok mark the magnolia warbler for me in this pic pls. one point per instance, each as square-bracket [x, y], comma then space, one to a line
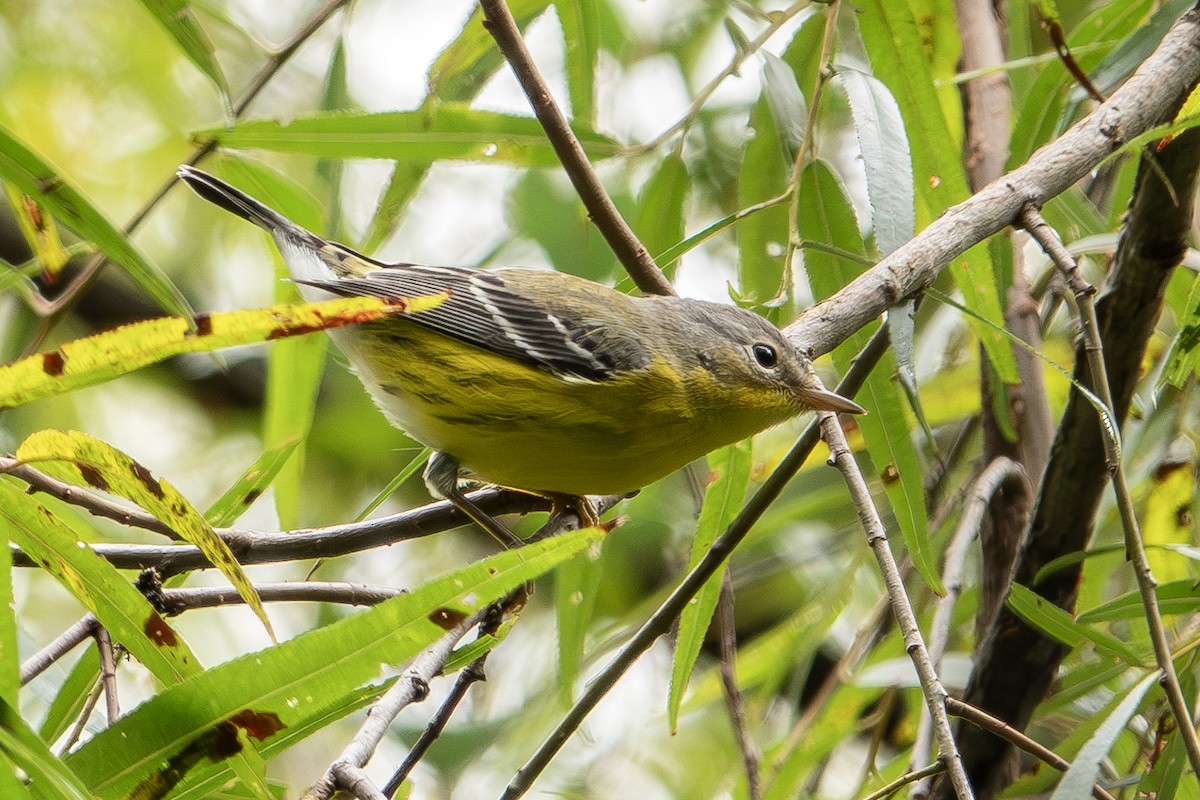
[541, 381]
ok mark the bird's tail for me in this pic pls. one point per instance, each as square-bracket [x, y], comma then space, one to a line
[220, 193]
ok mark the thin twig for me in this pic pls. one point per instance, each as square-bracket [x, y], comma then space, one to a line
[255, 547]
[108, 674]
[1150, 96]
[987, 722]
[1135, 548]
[778, 20]
[660, 621]
[352, 779]
[931, 684]
[727, 630]
[78, 286]
[95, 504]
[471, 674]
[37, 663]
[89, 705]
[412, 687]
[632, 254]
[916, 775]
[1002, 470]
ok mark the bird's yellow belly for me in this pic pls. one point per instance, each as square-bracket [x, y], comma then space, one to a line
[518, 426]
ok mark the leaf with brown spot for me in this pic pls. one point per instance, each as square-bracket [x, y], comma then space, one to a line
[96, 584]
[66, 454]
[447, 618]
[104, 356]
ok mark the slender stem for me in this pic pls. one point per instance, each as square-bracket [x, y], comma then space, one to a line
[108, 674]
[78, 286]
[620, 237]
[987, 722]
[733, 695]
[37, 663]
[411, 687]
[1135, 548]
[660, 621]
[778, 20]
[1002, 470]
[471, 675]
[931, 684]
[915, 776]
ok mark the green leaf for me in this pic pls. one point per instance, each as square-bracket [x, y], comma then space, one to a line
[97, 585]
[48, 776]
[177, 19]
[1084, 770]
[86, 461]
[461, 70]
[764, 174]
[576, 585]
[252, 483]
[265, 693]
[72, 695]
[581, 39]
[660, 214]
[10, 655]
[879, 127]
[1058, 624]
[451, 131]
[104, 356]
[723, 498]
[786, 101]
[28, 172]
[1177, 597]
[826, 216]
[894, 44]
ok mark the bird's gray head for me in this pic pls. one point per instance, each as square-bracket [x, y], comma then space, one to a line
[741, 349]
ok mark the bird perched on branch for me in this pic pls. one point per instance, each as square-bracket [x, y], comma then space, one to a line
[541, 381]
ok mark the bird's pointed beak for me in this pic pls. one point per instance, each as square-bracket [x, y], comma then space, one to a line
[822, 400]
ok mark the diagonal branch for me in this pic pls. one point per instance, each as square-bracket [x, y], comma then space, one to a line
[1151, 96]
[620, 237]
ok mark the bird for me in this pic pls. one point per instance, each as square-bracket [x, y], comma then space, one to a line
[541, 381]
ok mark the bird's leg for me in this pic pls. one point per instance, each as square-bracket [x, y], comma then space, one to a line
[441, 476]
[589, 517]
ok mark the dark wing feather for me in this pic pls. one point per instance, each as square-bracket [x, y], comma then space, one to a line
[481, 310]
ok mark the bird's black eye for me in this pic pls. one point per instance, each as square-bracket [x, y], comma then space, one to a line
[765, 355]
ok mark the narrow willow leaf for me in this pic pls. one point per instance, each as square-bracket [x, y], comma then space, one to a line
[48, 776]
[730, 478]
[1176, 597]
[576, 585]
[107, 355]
[40, 232]
[826, 215]
[879, 128]
[26, 170]
[177, 19]
[894, 44]
[764, 174]
[581, 40]
[1058, 624]
[97, 585]
[264, 694]
[10, 655]
[786, 101]
[468, 62]
[86, 461]
[252, 483]
[660, 213]
[450, 131]
[1084, 770]
[72, 694]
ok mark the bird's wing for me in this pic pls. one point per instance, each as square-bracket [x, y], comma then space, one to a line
[484, 311]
